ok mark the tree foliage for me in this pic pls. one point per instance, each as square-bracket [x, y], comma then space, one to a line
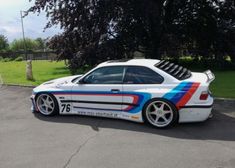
[41, 43]
[111, 29]
[205, 28]
[28, 44]
[3, 43]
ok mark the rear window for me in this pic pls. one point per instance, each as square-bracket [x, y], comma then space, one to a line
[174, 70]
[141, 75]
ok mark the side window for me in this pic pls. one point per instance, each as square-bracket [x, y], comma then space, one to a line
[141, 75]
[105, 75]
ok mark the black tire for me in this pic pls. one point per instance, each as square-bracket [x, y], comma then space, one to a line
[168, 106]
[53, 111]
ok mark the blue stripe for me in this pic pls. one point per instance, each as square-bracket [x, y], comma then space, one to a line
[143, 98]
[180, 94]
[176, 94]
[174, 91]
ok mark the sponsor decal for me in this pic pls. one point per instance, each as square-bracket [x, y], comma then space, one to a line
[100, 114]
[107, 114]
[135, 117]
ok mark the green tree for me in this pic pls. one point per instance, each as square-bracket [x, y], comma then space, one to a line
[205, 28]
[20, 44]
[41, 43]
[3, 43]
[99, 29]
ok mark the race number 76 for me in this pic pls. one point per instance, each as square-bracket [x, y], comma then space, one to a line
[66, 108]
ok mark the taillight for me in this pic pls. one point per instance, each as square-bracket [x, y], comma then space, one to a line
[204, 95]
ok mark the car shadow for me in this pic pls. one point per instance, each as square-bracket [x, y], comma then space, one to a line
[220, 127]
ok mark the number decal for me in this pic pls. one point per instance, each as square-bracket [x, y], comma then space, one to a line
[66, 108]
[63, 107]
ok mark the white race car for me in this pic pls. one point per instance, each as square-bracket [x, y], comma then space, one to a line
[142, 90]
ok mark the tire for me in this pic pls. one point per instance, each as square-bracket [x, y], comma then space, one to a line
[47, 104]
[160, 113]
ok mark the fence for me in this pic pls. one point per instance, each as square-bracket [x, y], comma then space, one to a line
[33, 55]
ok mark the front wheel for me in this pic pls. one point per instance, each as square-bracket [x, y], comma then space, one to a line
[47, 104]
[160, 113]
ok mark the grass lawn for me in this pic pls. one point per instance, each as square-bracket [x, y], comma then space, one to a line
[14, 73]
[224, 84]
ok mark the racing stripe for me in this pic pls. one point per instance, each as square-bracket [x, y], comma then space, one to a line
[174, 91]
[139, 98]
[188, 95]
[178, 96]
[90, 108]
[181, 94]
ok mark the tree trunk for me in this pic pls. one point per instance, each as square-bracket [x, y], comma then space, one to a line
[29, 72]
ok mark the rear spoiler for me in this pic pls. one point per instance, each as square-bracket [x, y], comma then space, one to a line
[210, 76]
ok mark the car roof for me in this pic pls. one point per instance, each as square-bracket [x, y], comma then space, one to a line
[140, 62]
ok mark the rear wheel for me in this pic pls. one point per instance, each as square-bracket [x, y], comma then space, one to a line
[47, 104]
[160, 113]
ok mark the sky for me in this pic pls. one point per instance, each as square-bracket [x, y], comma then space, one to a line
[10, 23]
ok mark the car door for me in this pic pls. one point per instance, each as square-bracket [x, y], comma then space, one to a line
[99, 93]
[137, 85]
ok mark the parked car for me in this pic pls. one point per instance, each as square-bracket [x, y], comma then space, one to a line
[142, 90]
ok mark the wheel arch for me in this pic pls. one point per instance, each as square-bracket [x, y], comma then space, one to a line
[161, 99]
[49, 93]
[43, 92]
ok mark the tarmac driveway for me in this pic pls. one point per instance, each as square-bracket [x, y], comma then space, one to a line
[31, 140]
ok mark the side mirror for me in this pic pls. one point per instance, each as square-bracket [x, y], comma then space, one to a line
[81, 81]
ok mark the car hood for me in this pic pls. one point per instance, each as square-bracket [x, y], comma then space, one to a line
[55, 84]
[63, 80]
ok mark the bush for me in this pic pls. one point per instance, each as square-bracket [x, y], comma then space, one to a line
[1, 58]
[6, 59]
[19, 59]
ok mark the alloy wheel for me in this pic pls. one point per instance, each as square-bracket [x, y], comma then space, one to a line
[45, 104]
[159, 113]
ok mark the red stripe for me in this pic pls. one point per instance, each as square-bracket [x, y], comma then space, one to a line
[135, 97]
[188, 95]
[135, 101]
[87, 94]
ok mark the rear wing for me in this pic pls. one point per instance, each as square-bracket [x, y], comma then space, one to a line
[210, 76]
